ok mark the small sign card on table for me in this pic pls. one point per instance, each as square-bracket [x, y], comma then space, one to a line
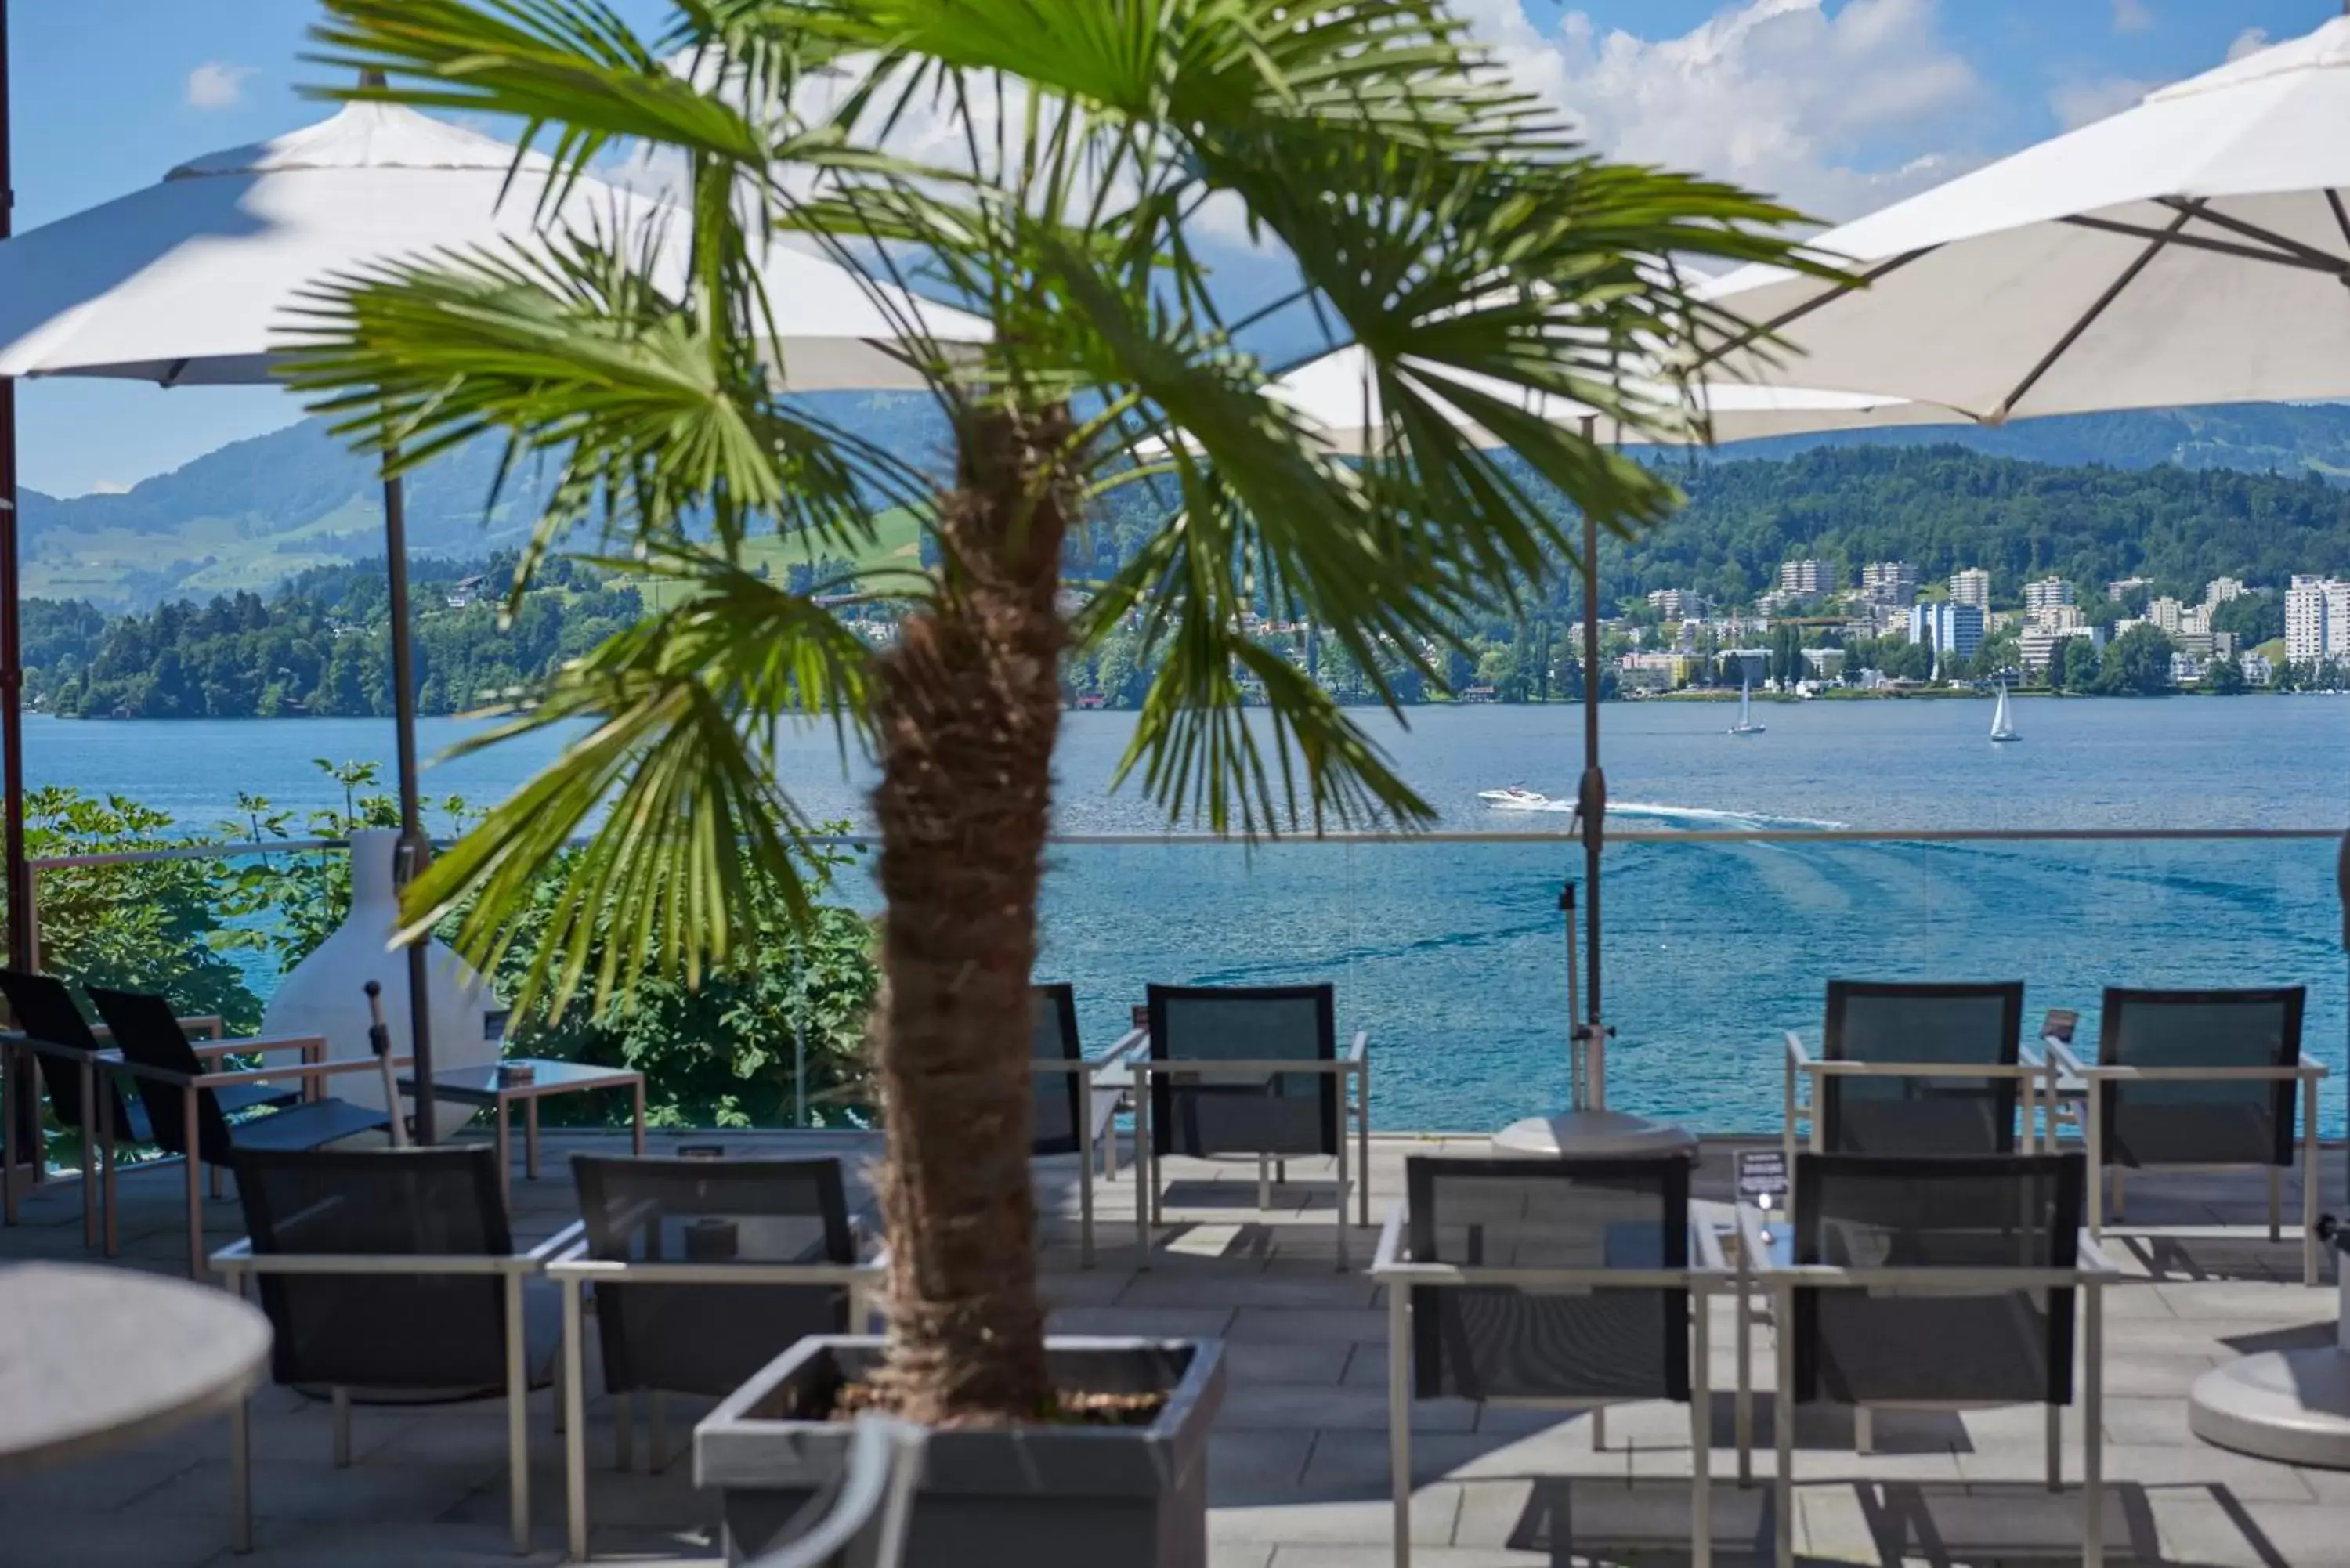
[1763, 1182]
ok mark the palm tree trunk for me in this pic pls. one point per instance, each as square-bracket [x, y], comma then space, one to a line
[970, 701]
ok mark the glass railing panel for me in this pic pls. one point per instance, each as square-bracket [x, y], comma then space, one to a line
[1716, 946]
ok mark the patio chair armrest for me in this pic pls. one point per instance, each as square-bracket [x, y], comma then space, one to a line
[2025, 1056]
[570, 1239]
[676, 1271]
[2060, 1057]
[2303, 1067]
[1797, 1057]
[1133, 1040]
[1360, 1048]
[257, 1046]
[300, 1070]
[1390, 1249]
[239, 1257]
[210, 1024]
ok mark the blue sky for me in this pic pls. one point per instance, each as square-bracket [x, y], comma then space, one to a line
[1840, 105]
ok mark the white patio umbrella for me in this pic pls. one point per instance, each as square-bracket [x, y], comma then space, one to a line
[2191, 249]
[1336, 394]
[191, 282]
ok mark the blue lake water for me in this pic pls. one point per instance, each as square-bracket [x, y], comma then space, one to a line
[1451, 954]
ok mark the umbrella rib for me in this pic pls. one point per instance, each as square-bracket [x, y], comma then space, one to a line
[2064, 345]
[2199, 209]
[2341, 218]
[2203, 243]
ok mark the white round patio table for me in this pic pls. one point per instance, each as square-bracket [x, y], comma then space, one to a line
[95, 1358]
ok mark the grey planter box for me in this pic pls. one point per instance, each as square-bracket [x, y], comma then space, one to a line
[1034, 1497]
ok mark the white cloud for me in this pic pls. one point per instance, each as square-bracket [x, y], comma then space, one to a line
[1835, 113]
[2250, 41]
[216, 83]
[2132, 17]
[107, 487]
[2076, 103]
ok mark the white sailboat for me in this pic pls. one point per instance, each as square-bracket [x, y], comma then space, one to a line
[2002, 723]
[1746, 724]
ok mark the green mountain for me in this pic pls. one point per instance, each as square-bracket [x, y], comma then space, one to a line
[254, 513]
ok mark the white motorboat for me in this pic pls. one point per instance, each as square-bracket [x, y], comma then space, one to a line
[1516, 797]
[2002, 723]
[1746, 724]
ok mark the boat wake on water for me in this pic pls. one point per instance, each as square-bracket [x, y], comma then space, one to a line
[1697, 817]
[1517, 797]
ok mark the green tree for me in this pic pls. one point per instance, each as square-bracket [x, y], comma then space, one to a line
[2137, 663]
[2225, 677]
[1432, 215]
[2085, 666]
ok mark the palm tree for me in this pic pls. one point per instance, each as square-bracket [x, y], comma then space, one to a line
[1085, 173]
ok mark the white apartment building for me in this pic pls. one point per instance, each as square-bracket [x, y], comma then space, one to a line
[2058, 618]
[2122, 590]
[2165, 613]
[1677, 603]
[2047, 593]
[1971, 587]
[2316, 620]
[2035, 643]
[1805, 579]
[1953, 630]
[2220, 590]
[1890, 583]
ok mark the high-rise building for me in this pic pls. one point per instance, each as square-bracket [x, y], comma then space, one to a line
[2035, 645]
[2316, 620]
[1890, 583]
[1971, 587]
[1808, 580]
[2047, 593]
[1677, 603]
[1953, 630]
[2165, 612]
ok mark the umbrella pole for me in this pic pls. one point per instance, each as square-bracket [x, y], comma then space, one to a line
[23, 1128]
[414, 844]
[1591, 806]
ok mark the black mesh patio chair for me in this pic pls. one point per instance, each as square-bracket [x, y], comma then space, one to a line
[2201, 1080]
[392, 1274]
[704, 1272]
[864, 1520]
[1251, 1070]
[185, 1114]
[1939, 1281]
[74, 1072]
[1556, 1282]
[1076, 1097]
[1909, 1068]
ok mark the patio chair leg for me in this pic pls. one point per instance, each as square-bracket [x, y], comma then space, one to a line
[1864, 1431]
[655, 1432]
[2312, 1188]
[1399, 1419]
[106, 1176]
[1742, 1401]
[89, 1161]
[2276, 1204]
[574, 1427]
[1264, 1184]
[1783, 1429]
[517, 1419]
[624, 1433]
[215, 1191]
[2121, 1192]
[195, 1190]
[1702, 1433]
[342, 1428]
[1599, 1429]
[2093, 1417]
[240, 1473]
[1343, 1260]
[1363, 1144]
[2055, 1448]
[1085, 1172]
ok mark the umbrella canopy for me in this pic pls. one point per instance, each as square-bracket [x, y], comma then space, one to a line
[189, 282]
[1336, 394]
[196, 281]
[2191, 249]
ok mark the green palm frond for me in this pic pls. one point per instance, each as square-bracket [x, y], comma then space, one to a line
[1419, 206]
[673, 785]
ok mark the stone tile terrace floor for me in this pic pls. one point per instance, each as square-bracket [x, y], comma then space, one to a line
[1299, 1460]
